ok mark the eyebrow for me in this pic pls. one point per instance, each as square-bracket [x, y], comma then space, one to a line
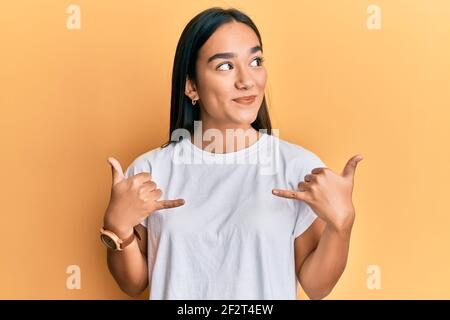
[229, 55]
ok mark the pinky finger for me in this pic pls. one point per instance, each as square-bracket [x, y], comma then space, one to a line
[165, 204]
[290, 194]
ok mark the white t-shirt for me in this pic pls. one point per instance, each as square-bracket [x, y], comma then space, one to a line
[232, 239]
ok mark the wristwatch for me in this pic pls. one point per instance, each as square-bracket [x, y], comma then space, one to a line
[113, 242]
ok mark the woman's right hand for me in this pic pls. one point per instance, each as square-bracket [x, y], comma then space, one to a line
[132, 199]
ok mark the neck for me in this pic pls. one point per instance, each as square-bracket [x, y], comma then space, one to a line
[224, 139]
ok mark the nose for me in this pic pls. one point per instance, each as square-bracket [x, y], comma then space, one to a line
[244, 80]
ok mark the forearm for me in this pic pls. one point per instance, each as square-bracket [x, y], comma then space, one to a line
[129, 269]
[324, 266]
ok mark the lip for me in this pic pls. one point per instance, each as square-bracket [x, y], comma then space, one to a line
[245, 100]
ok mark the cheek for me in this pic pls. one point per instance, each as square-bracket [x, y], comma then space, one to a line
[215, 96]
[216, 90]
[261, 79]
[210, 82]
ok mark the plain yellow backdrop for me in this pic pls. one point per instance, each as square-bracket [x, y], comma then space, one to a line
[71, 98]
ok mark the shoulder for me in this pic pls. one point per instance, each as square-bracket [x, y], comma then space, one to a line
[297, 157]
[149, 159]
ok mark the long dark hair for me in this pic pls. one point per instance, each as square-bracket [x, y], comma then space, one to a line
[193, 37]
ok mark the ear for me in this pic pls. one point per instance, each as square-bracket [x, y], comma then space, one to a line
[191, 89]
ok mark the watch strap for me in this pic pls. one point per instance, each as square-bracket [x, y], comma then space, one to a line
[125, 242]
[120, 243]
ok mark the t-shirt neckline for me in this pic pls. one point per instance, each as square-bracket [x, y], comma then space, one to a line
[228, 155]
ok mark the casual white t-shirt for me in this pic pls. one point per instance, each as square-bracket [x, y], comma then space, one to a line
[232, 239]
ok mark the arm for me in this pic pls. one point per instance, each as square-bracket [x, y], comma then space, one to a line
[129, 267]
[321, 257]
[132, 199]
[126, 206]
[321, 252]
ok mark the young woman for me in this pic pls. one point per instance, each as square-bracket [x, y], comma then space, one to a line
[243, 222]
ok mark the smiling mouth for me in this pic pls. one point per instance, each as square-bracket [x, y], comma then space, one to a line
[246, 100]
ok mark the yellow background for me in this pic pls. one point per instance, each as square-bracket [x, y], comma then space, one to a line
[71, 98]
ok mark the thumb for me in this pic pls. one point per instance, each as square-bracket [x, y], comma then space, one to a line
[117, 172]
[350, 167]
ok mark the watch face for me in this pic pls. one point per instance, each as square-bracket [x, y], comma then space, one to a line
[108, 241]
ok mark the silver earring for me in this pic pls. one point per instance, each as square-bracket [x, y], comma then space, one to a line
[194, 102]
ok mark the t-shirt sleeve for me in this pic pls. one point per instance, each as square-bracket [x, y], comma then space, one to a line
[137, 166]
[305, 215]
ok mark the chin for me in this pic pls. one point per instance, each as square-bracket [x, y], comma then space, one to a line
[243, 114]
[244, 119]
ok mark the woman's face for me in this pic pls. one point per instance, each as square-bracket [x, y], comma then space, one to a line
[222, 78]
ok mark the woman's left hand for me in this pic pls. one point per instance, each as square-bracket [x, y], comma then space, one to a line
[329, 194]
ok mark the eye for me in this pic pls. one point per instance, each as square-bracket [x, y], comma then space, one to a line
[259, 59]
[223, 64]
